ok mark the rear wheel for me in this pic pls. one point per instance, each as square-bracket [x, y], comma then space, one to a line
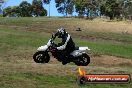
[84, 60]
[41, 57]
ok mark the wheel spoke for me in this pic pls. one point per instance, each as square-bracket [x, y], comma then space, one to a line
[39, 57]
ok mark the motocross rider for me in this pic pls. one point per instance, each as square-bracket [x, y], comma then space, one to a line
[66, 46]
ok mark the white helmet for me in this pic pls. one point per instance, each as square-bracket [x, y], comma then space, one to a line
[61, 32]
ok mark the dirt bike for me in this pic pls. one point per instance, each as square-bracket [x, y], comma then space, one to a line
[78, 56]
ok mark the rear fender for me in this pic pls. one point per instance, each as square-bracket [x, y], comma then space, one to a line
[84, 48]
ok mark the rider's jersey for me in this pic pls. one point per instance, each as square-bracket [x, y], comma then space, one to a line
[67, 43]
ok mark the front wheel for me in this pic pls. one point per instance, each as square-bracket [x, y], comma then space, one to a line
[84, 60]
[41, 57]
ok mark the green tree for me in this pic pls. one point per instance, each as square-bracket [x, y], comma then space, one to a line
[87, 7]
[25, 9]
[16, 10]
[65, 6]
[1, 2]
[12, 11]
[80, 7]
[112, 8]
[2, 5]
[127, 8]
[46, 1]
[91, 7]
[37, 8]
[7, 11]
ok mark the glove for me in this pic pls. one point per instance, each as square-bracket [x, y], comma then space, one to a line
[53, 36]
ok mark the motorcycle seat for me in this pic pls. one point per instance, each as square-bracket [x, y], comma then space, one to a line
[77, 48]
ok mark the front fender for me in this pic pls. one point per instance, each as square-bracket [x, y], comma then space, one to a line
[43, 48]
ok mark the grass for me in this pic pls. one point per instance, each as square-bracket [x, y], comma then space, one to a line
[115, 37]
[39, 80]
[121, 50]
[33, 80]
[20, 37]
[17, 21]
[68, 23]
[13, 39]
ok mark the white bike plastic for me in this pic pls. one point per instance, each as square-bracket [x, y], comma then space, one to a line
[43, 48]
[79, 52]
[75, 53]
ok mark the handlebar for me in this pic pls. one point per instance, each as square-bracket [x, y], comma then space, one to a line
[52, 47]
[53, 36]
[53, 43]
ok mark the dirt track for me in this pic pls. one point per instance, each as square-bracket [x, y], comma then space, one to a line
[99, 64]
[110, 60]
